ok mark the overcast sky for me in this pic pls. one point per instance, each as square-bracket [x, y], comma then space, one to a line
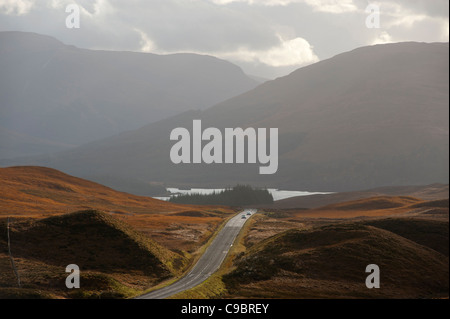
[268, 38]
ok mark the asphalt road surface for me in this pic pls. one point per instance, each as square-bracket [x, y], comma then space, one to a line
[209, 262]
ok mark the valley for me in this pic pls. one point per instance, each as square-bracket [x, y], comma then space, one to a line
[45, 206]
[142, 244]
[340, 164]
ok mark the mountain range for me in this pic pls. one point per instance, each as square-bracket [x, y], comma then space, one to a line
[375, 116]
[66, 96]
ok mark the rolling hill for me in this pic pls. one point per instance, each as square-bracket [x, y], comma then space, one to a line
[108, 252]
[377, 206]
[375, 116]
[123, 243]
[429, 233]
[425, 192]
[39, 190]
[330, 262]
[374, 203]
[60, 93]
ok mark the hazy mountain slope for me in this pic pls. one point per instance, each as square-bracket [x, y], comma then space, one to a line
[62, 93]
[375, 116]
[14, 144]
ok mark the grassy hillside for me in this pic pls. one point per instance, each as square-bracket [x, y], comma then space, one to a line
[135, 243]
[366, 207]
[113, 257]
[443, 203]
[425, 192]
[40, 192]
[330, 262]
[27, 190]
[429, 233]
[374, 203]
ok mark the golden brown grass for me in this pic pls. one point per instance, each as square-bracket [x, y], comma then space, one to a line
[330, 261]
[111, 254]
[322, 253]
[34, 195]
[33, 191]
[38, 192]
[367, 207]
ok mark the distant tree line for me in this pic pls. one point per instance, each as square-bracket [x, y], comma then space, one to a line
[237, 196]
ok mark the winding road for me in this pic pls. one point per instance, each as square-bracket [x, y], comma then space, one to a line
[209, 262]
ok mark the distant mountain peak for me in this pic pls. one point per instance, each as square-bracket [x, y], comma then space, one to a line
[374, 116]
[61, 93]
